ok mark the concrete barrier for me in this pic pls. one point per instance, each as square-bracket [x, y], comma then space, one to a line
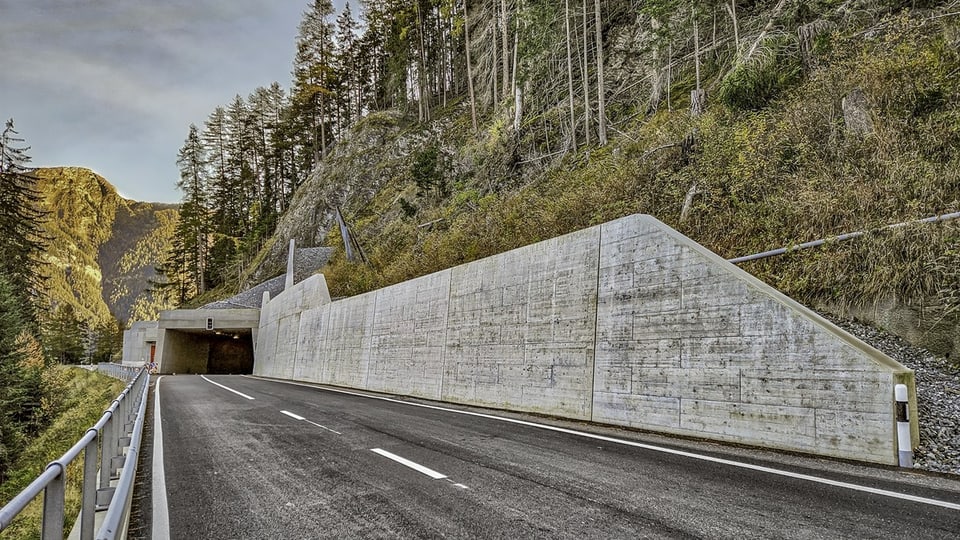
[629, 323]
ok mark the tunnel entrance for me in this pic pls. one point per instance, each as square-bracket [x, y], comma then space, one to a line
[215, 341]
[230, 355]
[205, 352]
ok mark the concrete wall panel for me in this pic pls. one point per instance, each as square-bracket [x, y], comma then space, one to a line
[346, 340]
[137, 342]
[406, 341]
[736, 359]
[520, 329]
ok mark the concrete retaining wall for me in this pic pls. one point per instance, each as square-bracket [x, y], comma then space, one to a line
[628, 323]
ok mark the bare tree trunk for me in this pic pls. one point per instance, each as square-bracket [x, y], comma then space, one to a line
[697, 97]
[517, 94]
[586, 80]
[504, 42]
[766, 29]
[442, 77]
[573, 112]
[494, 63]
[517, 109]
[473, 101]
[669, 74]
[323, 127]
[601, 110]
[422, 71]
[732, 11]
[696, 48]
[516, 50]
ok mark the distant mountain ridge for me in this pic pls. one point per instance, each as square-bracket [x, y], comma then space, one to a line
[102, 248]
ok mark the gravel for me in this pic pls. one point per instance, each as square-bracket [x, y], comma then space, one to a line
[938, 396]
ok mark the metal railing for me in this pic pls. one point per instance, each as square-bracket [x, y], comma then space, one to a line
[118, 429]
[119, 371]
[841, 238]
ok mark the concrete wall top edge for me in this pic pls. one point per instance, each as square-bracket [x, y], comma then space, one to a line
[876, 356]
[144, 324]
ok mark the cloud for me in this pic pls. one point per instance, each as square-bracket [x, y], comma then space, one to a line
[114, 84]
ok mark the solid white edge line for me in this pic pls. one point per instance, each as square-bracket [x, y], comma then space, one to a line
[241, 394]
[404, 461]
[760, 468]
[161, 518]
[291, 415]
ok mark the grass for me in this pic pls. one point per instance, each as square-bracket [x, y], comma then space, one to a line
[86, 395]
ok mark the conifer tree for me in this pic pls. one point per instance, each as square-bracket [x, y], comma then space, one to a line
[193, 228]
[13, 321]
[346, 66]
[222, 180]
[234, 203]
[312, 76]
[21, 238]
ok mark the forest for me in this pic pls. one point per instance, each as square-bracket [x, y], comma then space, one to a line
[27, 384]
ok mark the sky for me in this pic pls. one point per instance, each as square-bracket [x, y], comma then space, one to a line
[113, 85]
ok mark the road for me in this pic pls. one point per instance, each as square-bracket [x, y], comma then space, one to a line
[249, 458]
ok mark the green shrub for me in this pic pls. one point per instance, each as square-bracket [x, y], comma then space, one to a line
[756, 81]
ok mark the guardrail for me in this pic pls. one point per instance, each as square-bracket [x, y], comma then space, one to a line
[119, 428]
[119, 371]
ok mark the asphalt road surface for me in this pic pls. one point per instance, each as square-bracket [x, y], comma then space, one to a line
[248, 458]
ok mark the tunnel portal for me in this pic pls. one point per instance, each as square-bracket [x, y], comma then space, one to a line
[217, 342]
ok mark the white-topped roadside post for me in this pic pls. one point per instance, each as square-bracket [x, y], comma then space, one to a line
[903, 426]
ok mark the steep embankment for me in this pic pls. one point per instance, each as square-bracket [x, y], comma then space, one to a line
[102, 248]
[839, 120]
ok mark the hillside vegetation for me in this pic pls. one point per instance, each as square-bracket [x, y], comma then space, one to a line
[73, 399]
[845, 119]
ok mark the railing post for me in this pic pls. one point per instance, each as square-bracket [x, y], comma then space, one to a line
[89, 504]
[53, 500]
[106, 454]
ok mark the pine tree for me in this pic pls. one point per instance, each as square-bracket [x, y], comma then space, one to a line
[172, 285]
[222, 179]
[349, 107]
[21, 238]
[13, 322]
[240, 140]
[63, 336]
[193, 228]
[312, 70]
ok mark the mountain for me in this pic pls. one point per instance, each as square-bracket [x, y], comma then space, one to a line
[102, 248]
